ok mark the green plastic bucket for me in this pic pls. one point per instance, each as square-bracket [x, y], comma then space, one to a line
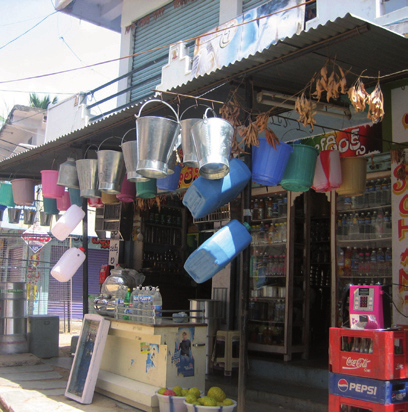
[146, 190]
[6, 195]
[300, 170]
[50, 206]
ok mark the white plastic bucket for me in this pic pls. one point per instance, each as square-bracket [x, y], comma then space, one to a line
[68, 264]
[68, 222]
[171, 403]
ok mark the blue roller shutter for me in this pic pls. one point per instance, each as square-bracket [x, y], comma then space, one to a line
[171, 25]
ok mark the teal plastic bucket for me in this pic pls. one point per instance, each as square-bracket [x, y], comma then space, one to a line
[217, 251]
[146, 190]
[300, 170]
[6, 194]
[170, 182]
[268, 163]
[50, 206]
[74, 196]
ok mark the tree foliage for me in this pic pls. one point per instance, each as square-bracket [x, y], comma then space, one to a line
[35, 101]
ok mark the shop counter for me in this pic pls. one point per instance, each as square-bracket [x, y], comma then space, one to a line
[139, 359]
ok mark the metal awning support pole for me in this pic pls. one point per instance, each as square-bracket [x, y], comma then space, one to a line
[85, 246]
[244, 279]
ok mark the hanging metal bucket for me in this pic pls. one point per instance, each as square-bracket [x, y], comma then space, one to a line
[68, 175]
[187, 141]
[129, 150]
[87, 170]
[111, 170]
[29, 216]
[213, 139]
[156, 138]
[14, 214]
[45, 219]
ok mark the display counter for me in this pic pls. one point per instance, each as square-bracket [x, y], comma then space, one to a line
[139, 359]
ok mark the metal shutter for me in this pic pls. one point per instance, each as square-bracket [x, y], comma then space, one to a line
[96, 258]
[174, 24]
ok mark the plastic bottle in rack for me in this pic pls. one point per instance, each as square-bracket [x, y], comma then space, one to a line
[378, 192]
[386, 191]
[367, 226]
[361, 261]
[120, 296]
[387, 224]
[380, 261]
[340, 262]
[355, 262]
[271, 233]
[388, 261]
[268, 208]
[284, 232]
[135, 301]
[373, 263]
[379, 224]
[147, 306]
[126, 305]
[140, 304]
[371, 193]
[261, 208]
[157, 306]
[347, 261]
[367, 261]
[261, 234]
[361, 225]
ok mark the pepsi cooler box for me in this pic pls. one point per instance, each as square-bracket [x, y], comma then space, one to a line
[371, 390]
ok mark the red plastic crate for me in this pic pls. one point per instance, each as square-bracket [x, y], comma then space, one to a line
[387, 361]
[342, 404]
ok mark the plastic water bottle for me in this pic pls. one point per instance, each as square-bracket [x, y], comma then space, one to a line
[340, 262]
[134, 300]
[157, 306]
[388, 261]
[380, 262]
[126, 305]
[120, 301]
[355, 262]
[139, 311]
[373, 263]
[378, 192]
[147, 306]
[387, 224]
[379, 224]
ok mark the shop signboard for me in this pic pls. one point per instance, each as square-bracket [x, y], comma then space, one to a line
[187, 176]
[247, 34]
[36, 237]
[399, 241]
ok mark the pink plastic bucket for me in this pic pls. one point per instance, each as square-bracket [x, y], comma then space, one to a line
[23, 191]
[50, 188]
[95, 202]
[64, 202]
[328, 171]
[127, 191]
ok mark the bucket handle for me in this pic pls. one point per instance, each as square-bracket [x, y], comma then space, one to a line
[133, 128]
[160, 101]
[86, 151]
[103, 141]
[205, 117]
[197, 105]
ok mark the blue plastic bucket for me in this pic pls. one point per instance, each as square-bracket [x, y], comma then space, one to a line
[50, 206]
[205, 195]
[6, 194]
[170, 182]
[217, 251]
[74, 195]
[300, 170]
[269, 164]
[146, 190]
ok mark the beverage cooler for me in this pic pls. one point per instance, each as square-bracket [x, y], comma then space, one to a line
[363, 244]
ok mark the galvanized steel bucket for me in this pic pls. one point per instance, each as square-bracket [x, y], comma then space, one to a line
[88, 177]
[213, 139]
[29, 216]
[129, 150]
[187, 141]
[156, 138]
[111, 170]
[68, 175]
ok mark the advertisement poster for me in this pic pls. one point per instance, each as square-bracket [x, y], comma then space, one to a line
[356, 141]
[247, 34]
[399, 101]
[183, 356]
[399, 243]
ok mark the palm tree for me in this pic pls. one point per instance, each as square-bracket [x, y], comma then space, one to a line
[35, 101]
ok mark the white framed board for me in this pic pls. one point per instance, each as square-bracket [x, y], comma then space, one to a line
[87, 360]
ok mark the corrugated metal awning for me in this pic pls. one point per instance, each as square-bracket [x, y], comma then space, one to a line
[286, 67]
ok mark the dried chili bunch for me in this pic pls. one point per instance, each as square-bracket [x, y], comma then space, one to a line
[358, 95]
[376, 104]
[333, 84]
[305, 108]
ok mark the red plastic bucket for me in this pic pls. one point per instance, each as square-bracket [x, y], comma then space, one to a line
[64, 202]
[95, 202]
[50, 188]
[127, 191]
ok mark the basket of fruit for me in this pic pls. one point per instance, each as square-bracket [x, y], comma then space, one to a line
[214, 401]
[172, 400]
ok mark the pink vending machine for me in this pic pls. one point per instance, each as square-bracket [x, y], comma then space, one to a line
[366, 307]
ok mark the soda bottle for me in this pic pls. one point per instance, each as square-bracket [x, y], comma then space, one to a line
[280, 205]
[347, 261]
[268, 208]
[126, 304]
[340, 262]
[387, 224]
[367, 261]
[361, 225]
[388, 261]
[371, 193]
[355, 262]
[285, 206]
[157, 306]
[373, 263]
[380, 262]
[379, 224]
[378, 192]
[261, 207]
[367, 226]
[361, 267]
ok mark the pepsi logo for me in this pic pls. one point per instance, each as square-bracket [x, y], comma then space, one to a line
[342, 385]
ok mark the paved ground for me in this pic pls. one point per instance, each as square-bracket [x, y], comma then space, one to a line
[30, 384]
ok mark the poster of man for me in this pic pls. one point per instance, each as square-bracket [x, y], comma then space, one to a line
[183, 356]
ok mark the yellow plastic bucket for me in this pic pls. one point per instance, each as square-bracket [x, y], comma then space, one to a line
[354, 176]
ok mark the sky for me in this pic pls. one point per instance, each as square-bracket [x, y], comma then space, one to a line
[36, 40]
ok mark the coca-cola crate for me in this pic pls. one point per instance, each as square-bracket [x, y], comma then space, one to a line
[343, 404]
[381, 354]
[366, 389]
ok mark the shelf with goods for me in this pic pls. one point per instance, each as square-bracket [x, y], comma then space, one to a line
[364, 238]
[274, 310]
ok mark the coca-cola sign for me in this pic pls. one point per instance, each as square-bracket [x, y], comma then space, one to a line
[359, 363]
